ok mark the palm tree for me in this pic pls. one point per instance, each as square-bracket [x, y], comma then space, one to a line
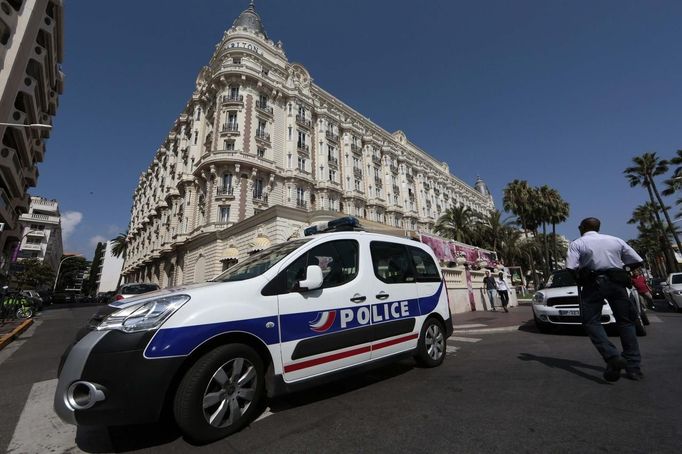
[490, 229]
[120, 246]
[559, 212]
[456, 223]
[645, 216]
[518, 199]
[642, 173]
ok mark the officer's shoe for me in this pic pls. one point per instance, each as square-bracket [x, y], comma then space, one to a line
[635, 375]
[613, 367]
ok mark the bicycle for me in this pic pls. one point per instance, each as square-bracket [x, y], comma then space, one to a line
[17, 306]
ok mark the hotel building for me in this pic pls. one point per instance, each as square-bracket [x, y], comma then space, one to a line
[260, 152]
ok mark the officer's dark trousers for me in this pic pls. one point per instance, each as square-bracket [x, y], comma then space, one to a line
[592, 300]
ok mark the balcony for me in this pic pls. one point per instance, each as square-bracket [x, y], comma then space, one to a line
[31, 247]
[396, 189]
[303, 121]
[378, 182]
[230, 129]
[260, 198]
[355, 148]
[357, 172]
[332, 161]
[233, 100]
[393, 168]
[44, 218]
[409, 177]
[331, 136]
[302, 203]
[225, 191]
[303, 148]
[376, 159]
[264, 108]
[262, 136]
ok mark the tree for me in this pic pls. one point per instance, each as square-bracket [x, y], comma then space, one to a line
[456, 223]
[91, 287]
[490, 228]
[34, 274]
[70, 271]
[120, 245]
[518, 199]
[642, 173]
[558, 214]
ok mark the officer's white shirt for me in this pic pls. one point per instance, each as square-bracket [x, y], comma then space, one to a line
[595, 251]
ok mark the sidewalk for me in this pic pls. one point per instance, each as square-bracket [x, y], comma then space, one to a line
[480, 322]
[12, 328]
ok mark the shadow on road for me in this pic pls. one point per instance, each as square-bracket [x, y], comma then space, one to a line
[568, 365]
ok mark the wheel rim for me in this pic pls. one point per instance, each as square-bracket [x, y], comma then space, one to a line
[435, 342]
[230, 392]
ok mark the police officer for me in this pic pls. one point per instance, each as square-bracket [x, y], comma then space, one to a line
[598, 262]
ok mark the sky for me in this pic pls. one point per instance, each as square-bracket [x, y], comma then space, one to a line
[562, 93]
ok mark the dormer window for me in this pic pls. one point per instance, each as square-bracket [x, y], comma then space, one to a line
[237, 60]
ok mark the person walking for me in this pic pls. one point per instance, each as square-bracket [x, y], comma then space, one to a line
[502, 290]
[490, 287]
[599, 264]
[643, 290]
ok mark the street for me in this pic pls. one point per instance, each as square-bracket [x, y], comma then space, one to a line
[517, 391]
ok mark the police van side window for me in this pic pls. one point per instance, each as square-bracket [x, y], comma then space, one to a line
[338, 259]
[424, 266]
[391, 262]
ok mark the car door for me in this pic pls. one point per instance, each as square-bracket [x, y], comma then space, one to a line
[395, 305]
[429, 281]
[328, 328]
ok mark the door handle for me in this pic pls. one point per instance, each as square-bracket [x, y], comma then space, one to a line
[382, 295]
[357, 298]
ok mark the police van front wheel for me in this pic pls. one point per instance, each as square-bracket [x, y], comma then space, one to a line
[431, 346]
[220, 394]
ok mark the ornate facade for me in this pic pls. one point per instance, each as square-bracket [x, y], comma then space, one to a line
[261, 151]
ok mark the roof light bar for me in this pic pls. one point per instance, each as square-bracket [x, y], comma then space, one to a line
[336, 225]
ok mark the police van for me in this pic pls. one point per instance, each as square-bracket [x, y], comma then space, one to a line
[293, 315]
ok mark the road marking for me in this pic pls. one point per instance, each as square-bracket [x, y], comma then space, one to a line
[39, 429]
[451, 348]
[463, 339]
[655, 319]
[265, 414]
[472, 325]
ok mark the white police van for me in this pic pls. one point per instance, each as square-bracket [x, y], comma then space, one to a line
[295, 313]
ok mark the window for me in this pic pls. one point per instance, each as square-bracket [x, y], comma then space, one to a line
[232, 121]
[332, 175]
[300, 196]
[261, 262]
[224, 214]
[234, 89]
[229, 145]
[260, 131]
[263, 101]
[301, 164]
[290, 132]
[260, 152]
[356, 163]
[236, 60]
[196, 137]
[377, 192]
[425, 268]
[391, 262]
[358, 185]
[301, 139]
[258, 189]
[338, 260]
[227, 181]
[198, 113]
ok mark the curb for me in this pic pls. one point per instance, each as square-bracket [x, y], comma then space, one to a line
[502, 329]
[7, 338]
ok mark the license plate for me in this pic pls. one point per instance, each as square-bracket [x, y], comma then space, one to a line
[569, 313]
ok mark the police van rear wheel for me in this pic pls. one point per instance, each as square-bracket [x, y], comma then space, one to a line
[431, 347]
[220, 394]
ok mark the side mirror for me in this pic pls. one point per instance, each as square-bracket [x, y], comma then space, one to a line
[313, 278]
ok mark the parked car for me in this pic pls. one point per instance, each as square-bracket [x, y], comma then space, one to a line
[134, 289]
[672, 290]
[299, 312]
[35, 298]
[558, 304]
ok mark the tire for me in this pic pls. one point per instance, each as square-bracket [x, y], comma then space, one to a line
[543, 327]
[24, 312]
[431, 346]
[212, 399]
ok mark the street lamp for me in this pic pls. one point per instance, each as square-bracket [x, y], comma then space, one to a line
[56, 279]
[32, 125]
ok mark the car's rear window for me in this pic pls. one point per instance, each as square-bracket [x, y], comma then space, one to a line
[138, 288]
[677, 279]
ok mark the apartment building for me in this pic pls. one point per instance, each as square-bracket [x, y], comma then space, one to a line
[41, 232]
[31, 80]
[258, 153]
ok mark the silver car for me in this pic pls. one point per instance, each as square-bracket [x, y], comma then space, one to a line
[672, 290]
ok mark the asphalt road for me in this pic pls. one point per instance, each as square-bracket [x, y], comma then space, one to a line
[518, 391]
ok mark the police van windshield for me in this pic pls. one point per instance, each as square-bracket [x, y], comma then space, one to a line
[260, 262]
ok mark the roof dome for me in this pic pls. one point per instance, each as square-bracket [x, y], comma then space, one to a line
[250, 19]
[481, 187]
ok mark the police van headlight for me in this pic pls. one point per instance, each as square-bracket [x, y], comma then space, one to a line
[144, 316]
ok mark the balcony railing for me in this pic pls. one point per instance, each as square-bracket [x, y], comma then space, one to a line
[376, 159]
[263, 106]
[354, 148]
[409, 177]
[332, 161]
[378, 182]
[260, 197]
[303, 148]
[225, 190]
[331, 136]
[233, 99]
[262, 135]
[230, 128]
[396, 190]
[394, 168]
[303, 121]
[301, 203]
[357, 172]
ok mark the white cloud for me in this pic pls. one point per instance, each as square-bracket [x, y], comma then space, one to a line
[70, 221]
[97, 239]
